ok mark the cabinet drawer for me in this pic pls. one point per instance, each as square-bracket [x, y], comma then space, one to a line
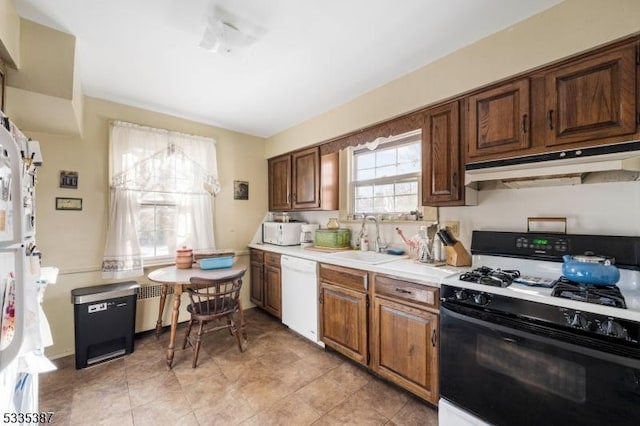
[272, 259]
[404, 290]
[344, 277]
[257, 256]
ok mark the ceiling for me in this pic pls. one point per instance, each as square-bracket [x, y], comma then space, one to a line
[309, 56]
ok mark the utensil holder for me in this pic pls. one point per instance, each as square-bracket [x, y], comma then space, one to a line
[457, 255]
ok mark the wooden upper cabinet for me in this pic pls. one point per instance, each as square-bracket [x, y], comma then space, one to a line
[498, 120]
[280, 183]
[593, 98]
[441, 162]
[306, 179]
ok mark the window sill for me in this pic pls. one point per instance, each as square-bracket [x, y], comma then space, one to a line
[390, 221]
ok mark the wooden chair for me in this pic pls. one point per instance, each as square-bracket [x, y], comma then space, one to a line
[214, 300]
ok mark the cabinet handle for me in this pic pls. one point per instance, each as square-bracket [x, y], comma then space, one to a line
[524, 123]
[550, 119]
[454, 180]
[433, 337]
[295, 199]
[401, 290]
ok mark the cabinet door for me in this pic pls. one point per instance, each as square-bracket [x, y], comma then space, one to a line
[343, 321]
[280, 183]
[257, 281]
[405, 345]
[441, 165]
[498, 120]
[306, 179]
[273, 291]
[591, 99]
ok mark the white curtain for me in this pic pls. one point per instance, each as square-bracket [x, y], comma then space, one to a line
[154, 164]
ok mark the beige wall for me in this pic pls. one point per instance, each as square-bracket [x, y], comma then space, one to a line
[9, 33]
[47, 59]
[73, 241]
[568, 28]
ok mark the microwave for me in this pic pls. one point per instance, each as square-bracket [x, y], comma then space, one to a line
[281, 233]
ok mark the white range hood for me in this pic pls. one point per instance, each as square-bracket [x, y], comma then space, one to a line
[559, 168]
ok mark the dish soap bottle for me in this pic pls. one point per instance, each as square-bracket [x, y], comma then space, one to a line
[363, 238]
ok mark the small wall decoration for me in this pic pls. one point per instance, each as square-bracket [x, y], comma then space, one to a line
[68, 179]
[240, 190]
[63, 203]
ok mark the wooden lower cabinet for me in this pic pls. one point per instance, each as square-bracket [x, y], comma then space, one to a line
[266, 282]
[405, 347]
[256, 293]
[343, 321]
[344, 311]
[273, 291]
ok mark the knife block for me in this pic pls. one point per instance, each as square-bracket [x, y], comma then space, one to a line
[457, 255]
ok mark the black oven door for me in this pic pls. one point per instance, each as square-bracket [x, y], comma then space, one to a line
[508, 372]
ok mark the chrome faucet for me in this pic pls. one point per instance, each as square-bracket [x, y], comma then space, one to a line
[381, 246]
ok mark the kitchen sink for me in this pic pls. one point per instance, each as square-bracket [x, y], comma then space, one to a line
[369, 257]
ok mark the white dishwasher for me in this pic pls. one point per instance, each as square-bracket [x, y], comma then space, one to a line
[300, 296]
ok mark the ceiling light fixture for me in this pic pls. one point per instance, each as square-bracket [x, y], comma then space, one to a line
[223, 37]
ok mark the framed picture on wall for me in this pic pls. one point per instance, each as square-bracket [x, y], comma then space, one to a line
[240, 190]
[68, 179]
[63, 203]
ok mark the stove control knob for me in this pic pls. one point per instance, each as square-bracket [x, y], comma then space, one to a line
[578, 320]
[481, 299]
[612, 328]
[461, 295]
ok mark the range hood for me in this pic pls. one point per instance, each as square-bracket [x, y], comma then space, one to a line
[612, 163]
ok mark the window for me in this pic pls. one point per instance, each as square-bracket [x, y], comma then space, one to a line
[161, 187]
[387, 178]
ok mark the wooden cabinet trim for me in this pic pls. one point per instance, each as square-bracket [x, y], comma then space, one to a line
[256, 255]
[344, 277]
[272, 259]
[406, 291]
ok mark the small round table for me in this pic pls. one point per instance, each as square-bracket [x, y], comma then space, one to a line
[179, 278]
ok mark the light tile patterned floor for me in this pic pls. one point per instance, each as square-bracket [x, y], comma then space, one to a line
[281, 379]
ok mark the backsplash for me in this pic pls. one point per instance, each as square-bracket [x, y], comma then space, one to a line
[601, 208]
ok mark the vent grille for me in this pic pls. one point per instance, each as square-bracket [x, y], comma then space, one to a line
[151, 291]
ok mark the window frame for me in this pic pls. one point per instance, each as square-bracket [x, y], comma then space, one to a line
[408, 138]
[155, 204]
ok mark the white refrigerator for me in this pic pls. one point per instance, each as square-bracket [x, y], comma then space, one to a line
[24, 329]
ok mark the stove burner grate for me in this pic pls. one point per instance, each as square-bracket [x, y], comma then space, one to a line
[601, 295]
[493, 277]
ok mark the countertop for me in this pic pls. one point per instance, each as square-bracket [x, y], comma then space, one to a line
[404, 267]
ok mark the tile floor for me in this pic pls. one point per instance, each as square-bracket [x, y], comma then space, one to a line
[280, 379]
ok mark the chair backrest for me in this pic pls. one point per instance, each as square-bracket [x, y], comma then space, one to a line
[213, 297]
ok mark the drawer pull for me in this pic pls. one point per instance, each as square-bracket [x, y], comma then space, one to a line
[401, 290]
[433, 338]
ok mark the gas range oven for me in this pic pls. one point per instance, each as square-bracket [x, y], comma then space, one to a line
[522, 345]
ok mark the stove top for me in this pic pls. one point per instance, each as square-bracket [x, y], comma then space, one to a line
[601, 295]
[489, 276]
